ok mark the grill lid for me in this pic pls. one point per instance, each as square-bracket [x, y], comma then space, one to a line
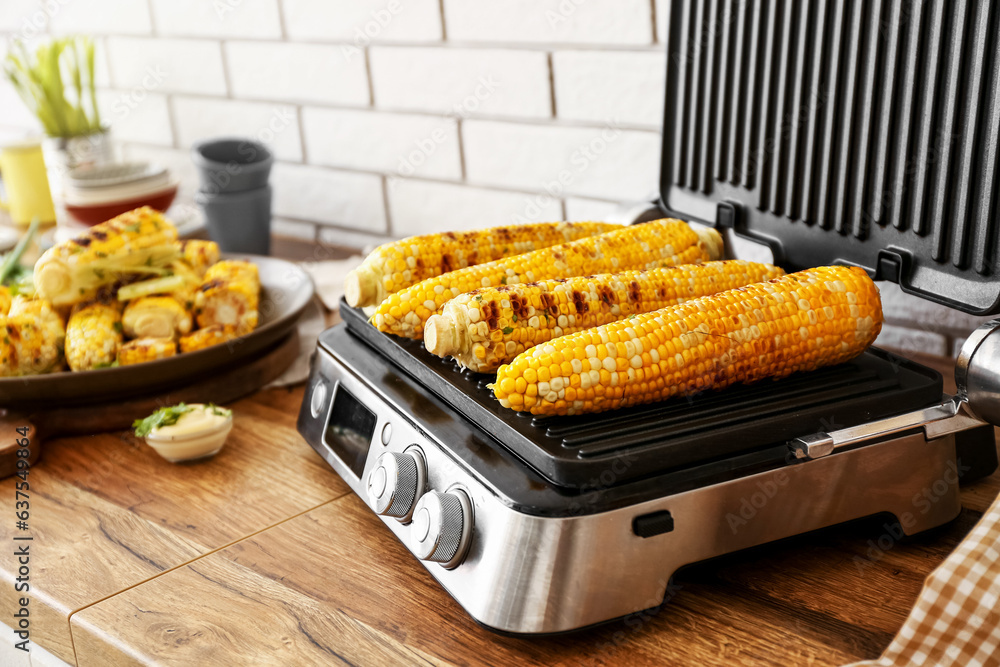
[843, 132]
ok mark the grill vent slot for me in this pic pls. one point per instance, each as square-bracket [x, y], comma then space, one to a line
[855, 118]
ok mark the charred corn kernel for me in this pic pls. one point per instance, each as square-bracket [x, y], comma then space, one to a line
[534, 313]
[156, 317]
[93, 334]
[44, 313]
[395, 266]
[28, 346]
[799, 322]
[141, 350]
[655, 244]
[229, 296]
[138, 242]
[5, 300]
[207, 337]
[198, 255]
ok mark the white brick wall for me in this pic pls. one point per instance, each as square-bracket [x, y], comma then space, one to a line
[397, 117]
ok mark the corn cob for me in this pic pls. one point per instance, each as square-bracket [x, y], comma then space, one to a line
[487, 327]
[43, 312]
[198, 255]
[660, 243]
[93, 334]
[395, 266]
[229, 296]
[799, 322]
[28, 346]
[141, 350]
[5, 300]
[207, 337]
[156, 317]
[138, 242]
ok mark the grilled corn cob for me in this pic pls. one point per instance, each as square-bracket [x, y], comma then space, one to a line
[138, 242]
[156, 317]
[198, 255]
[93, 334]
[207, 337]
[141, 350]
[654, 244]
[28, 346]
[5, 300]
[799, 322]
[395, 266]
[229, 296]
[485, 328]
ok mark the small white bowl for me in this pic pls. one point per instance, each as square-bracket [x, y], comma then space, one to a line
[200, 444]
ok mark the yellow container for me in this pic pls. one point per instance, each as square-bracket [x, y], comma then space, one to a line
[26, 183]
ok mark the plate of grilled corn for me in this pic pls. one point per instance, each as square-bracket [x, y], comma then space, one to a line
[586, 317]
[127, 308]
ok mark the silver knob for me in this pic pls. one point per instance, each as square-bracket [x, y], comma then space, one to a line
[395, 481]
[442, 527]
[977, 372]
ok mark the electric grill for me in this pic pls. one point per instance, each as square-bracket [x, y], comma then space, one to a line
[804, 126]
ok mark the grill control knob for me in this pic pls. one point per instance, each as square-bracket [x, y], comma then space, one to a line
[395, 481]
[442, 527]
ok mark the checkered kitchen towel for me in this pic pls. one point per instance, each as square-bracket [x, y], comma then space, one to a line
[956, 621]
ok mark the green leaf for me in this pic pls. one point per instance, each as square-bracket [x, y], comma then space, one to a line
[508, 330]
[162, 417]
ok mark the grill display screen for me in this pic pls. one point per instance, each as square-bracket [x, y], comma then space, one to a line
[349, 431]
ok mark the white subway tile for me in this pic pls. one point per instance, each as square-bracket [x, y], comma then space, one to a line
[907, 309]
[662, 20]
[219, 18]
[550, 21]
[295, 229]
[331, 197]
[600, 85]
[296, 72]
[25, 18]
[385, 142]
[167, 65]
[462, 82]
[605, 162]
[358, 22]
[912, 340]
[275, 125]
[102, 17]
[580, 208]
[136, 115]
[346, 238]
[422, 207]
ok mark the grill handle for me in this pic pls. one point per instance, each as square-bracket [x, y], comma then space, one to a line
[977, 372]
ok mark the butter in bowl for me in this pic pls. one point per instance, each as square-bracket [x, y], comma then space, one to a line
[186, 432]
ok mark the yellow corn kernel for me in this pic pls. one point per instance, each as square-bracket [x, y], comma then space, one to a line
[93, 334]
[706, 343]
[395, 266]
[571, 305]
[141, 350]
[654, 244]
[207, 337]
[229, 296]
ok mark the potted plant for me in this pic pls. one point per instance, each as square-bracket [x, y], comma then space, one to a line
[57, 85]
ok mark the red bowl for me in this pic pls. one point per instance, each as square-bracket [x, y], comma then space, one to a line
[92, 214]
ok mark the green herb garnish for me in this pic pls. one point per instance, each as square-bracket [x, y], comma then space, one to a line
[162, 417]
[508, 330]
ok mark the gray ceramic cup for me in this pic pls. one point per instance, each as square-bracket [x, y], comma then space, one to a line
[231, 164]
[240, 221]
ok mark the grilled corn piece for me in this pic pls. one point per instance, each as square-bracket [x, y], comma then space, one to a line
[28, 346]
[229, 296]
[93, 335]
[485, 328]
[5, 300]
[394, 266]
[660, 243]
[207, 337]
[141, 350]
[799, 322]
[138, 242]
[156, 317]
[198, 255]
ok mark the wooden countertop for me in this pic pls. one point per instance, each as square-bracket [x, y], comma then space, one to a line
[262, 556]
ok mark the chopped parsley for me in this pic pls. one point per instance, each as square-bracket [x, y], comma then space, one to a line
[508, 330]
[169, 416]
[117, 327]
[503, 281]
[515, 318]
[479, 297]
